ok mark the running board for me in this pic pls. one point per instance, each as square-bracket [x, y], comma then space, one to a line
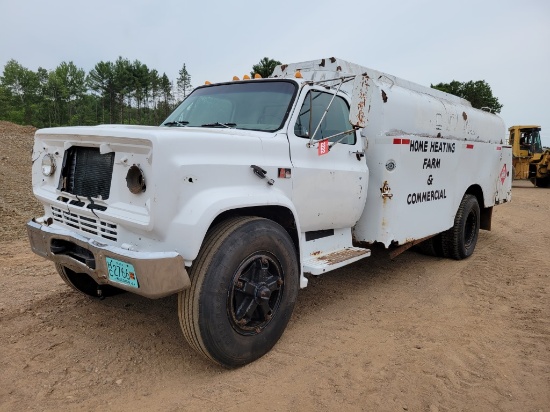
[319, 264]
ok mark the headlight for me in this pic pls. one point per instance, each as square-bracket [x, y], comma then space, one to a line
[48, 164]
[135, 180]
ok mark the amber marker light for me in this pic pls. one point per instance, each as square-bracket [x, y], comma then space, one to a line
[298, 75]
[246, 77]
[235, 78]
[207, 82]
[257, 76]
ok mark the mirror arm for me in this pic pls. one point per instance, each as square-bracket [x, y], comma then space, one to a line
[309, 144]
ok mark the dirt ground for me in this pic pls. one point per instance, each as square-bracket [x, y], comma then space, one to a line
[414, 334]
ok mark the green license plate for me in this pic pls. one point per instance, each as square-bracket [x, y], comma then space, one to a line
[122, 272]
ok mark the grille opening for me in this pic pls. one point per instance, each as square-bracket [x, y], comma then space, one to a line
[86, 224]
[86, 172]
[94, 206]
[76, 203]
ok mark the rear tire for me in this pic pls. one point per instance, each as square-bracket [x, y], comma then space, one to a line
[460, 241]
[244, 285]
[84, 284]
[431, 247]
[542, 181]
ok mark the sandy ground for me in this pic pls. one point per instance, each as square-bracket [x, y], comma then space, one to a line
[414, 334]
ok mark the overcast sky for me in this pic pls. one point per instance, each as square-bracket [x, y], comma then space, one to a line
[506, 43]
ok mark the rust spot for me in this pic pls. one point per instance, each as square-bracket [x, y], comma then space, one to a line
[464, 115]
[339, 69]
[322, 64]
[316, 253]
[385, 191]
[283, 67]
[332, 59]
[384, 96]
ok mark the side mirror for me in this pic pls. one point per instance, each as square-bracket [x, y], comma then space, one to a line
[360, 98]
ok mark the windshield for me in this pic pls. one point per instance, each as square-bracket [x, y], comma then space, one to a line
[530, 140]
[254, 105]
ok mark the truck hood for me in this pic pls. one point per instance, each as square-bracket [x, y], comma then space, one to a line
[150, 133]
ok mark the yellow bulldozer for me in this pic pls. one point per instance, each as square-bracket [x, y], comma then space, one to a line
[529, 159]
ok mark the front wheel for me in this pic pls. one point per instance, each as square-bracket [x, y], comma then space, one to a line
[460, 241]
[244, 285]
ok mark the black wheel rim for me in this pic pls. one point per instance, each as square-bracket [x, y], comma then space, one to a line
[470, 229]
[255, 293]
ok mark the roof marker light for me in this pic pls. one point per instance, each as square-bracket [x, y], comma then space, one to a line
[235, 78]
[257, 76]
[246, 77]
[298, 75]
[207, 82]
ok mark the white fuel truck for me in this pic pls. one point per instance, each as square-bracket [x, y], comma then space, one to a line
[250, 185]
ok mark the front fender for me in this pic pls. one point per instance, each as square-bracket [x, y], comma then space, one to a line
[196, 215]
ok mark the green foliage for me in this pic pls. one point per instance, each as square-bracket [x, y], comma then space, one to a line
[478, 93]
[184, 82]
[119, 92]
[265, 67]
[21, 86]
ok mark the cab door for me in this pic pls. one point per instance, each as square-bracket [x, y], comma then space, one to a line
[329, 176]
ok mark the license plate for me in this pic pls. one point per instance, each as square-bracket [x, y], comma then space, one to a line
[122, 272]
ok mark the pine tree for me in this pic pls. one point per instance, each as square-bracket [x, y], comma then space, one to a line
[184, 82]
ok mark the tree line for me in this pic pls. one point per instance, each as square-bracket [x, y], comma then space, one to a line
[478, 93]
[112, 92]
[130, 93]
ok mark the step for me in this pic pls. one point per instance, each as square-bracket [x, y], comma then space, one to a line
[322, 263]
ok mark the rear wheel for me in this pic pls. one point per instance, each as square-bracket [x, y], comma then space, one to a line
[460, 241]
[244, 285]
[542, 181]
[84, 284]
[431, 247]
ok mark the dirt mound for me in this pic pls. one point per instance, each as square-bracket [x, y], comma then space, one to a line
[17, 204]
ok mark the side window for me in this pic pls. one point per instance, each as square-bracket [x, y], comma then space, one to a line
[336, 120]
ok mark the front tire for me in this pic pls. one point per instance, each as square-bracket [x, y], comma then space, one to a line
[244, 285]
[460, 241]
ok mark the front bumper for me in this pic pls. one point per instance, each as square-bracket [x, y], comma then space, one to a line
[159, 274]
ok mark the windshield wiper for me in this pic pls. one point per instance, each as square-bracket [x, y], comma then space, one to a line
[176, 123]
[218, 124]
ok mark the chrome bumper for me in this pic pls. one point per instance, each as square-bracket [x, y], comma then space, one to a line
[159, 274]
